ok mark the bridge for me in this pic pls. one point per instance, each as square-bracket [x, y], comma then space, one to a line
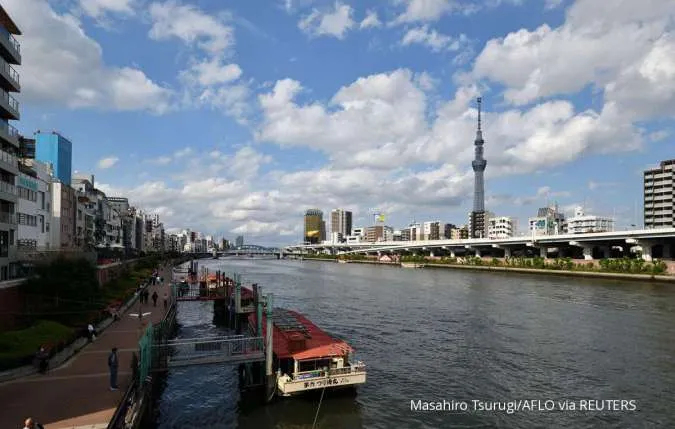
[209, 350]
[652, 243]
[250, 249]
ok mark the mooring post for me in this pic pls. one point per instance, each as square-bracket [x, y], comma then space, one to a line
[258, 311]
[271, 380]
[237, 296]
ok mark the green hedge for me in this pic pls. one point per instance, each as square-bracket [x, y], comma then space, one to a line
[17, 348]
[625, 265]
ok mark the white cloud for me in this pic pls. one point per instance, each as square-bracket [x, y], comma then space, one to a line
[425, 10]
[162, 160]
[598, 185]
[434, 40]
[370, 21]
[658, 136]
[536, 64]
[64, 66]
[97, 8]
[108, 162]
[191, 25]
[330, 23]
[212, 71]
[182, 152]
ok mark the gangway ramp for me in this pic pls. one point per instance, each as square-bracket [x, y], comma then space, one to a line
[212, 350]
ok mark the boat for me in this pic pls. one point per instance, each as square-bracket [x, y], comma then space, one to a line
[341, 261]
[306, 358]
[411, 265]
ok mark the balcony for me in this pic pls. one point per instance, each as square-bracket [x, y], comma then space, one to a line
[9, 134]
[9, 78]
[9, 218]
[9, 162]
[8, 192]
[9, 47]
[9, 107]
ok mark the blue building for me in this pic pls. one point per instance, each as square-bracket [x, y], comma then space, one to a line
[53, 148]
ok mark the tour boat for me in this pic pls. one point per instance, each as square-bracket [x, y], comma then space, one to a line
[411, 265]
[342, 261]
[307, 358]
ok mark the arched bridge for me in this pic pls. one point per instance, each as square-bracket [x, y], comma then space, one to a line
[250, 249]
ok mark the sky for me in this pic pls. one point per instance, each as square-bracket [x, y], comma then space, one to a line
[234, 117]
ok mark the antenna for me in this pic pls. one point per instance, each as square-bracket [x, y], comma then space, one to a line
[479, 100]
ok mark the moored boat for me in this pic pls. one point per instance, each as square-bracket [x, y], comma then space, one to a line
[307, 358]
[411, 265]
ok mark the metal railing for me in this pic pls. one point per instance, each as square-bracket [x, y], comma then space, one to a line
[8, 157]
[7, 187]
[13, 74]
[352, 369]
[196, 351]
[15, 44]
[10, 100]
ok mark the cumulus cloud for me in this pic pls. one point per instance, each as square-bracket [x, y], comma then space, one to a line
[108, 162]
[370, 21]
[98, 8]
[434, 40]
[335, 22]
[64, 66]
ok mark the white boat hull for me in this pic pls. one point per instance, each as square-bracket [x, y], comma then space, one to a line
[288, 387]
[411, 265]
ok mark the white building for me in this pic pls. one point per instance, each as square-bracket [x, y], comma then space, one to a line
[659, 196]
[501, 227]
[581, 223]
[431, 230]
[358, 235]
[34, 207]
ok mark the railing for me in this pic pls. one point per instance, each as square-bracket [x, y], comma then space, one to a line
[15, 44]
[317, 373]
[7, 187]
[195, 351]
[13, 74]
[10, 130]
[8, 218]
[10, 100]
[8, 157]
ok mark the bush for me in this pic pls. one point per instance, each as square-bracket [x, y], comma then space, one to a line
[18, 348]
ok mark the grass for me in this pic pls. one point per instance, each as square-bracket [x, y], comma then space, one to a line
[17, 348]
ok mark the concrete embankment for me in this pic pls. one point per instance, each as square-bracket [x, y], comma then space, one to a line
[595, 274]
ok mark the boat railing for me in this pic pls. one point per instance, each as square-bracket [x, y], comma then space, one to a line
[317, 373]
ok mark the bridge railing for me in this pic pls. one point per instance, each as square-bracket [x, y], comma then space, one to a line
[193, 351]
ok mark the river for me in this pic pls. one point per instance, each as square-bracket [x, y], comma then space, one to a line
[454, 335]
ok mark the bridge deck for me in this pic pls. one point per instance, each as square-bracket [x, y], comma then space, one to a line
[203, 351]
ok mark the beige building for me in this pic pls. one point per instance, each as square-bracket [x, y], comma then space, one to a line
[659, 196]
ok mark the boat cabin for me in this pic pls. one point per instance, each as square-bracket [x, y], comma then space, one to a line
[307, 358]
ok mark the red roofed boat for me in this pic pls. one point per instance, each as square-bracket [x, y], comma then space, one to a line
[307, 358]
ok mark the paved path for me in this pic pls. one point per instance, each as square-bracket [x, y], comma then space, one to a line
[77, 394]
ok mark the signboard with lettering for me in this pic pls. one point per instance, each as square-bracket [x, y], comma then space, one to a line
[27, 183]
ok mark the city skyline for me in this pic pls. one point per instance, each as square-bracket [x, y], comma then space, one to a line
[351, 105]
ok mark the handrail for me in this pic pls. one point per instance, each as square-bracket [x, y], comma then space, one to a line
[13, 74]
[13, 103]
[15, 44]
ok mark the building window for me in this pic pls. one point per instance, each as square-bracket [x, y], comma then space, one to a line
[11, 237]
[42, 223]
[42, 200]
[4, 244]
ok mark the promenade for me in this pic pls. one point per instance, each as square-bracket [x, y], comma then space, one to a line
[77, 394]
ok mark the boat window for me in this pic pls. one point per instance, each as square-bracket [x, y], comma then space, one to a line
[311, 365]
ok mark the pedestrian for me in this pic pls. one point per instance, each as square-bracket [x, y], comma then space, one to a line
[92, 332]
[29, 423]
[113, 364]
[154, 298]
[42, 358]
[145, 296]
[166, 300]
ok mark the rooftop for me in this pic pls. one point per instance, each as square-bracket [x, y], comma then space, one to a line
[297, 337]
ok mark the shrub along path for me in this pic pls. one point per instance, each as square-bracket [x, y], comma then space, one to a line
[78, 392]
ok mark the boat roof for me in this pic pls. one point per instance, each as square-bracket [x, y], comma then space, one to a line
[290, 326]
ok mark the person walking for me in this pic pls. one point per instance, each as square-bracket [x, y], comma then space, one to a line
[92, 332]
[29, 423]
[113, 364]
[154, 298]
[166, 301]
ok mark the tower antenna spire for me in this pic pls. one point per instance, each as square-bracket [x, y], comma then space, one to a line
[479, 100]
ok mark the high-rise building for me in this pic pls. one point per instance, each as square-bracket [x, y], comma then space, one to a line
[549, 221]
[477, 220]
[431, 230]
[314, 226]
[341, 222]
[659, 196]
[57, 150]
[239, 241]
[10, 54]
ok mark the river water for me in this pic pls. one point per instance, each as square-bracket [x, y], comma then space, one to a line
[453, 335]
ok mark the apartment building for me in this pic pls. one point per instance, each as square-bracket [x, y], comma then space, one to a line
[10, 56]
[34, 206]
[340, 223]
[501, 227]
[659, 196]
[582, 223]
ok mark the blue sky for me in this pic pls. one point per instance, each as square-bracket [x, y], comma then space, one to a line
[233, 117]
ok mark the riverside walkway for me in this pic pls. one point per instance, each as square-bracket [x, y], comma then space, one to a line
[77, 394]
